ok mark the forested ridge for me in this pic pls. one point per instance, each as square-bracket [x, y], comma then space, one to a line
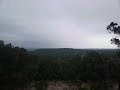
[19, 67]
[71, 52]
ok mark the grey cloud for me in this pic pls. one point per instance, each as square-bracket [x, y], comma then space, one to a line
[35, 44]
[17, 35]
[58, 23]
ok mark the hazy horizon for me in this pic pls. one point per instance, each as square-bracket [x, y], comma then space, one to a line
[58, 23]
[72, 48]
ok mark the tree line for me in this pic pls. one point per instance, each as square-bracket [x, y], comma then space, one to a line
[18, 68]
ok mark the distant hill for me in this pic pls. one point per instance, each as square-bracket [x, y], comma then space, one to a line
[69, 52]
[31, 49]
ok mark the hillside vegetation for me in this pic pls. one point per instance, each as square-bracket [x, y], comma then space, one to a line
[19, 67]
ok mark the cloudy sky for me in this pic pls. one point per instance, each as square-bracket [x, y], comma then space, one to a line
[58, 23]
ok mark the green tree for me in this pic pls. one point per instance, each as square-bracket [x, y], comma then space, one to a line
[17, 67]
[115, 29]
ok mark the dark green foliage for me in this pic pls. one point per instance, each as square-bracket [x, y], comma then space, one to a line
[19, 68]
[16, 67]
[66, 54]
[41, 85]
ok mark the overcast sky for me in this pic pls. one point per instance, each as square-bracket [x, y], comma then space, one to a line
[58, 23]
